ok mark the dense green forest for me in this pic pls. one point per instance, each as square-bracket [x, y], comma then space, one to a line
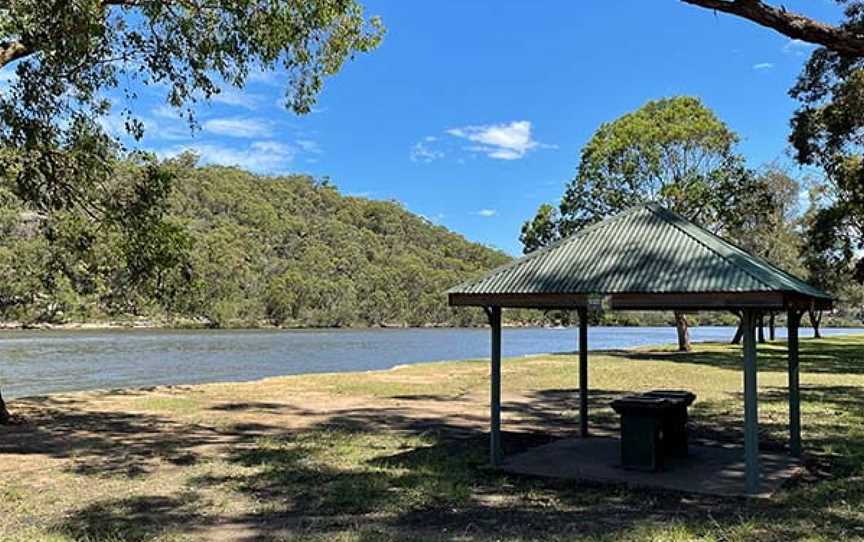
[239, 250]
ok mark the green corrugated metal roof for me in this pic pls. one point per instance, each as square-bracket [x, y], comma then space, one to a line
[646, 249]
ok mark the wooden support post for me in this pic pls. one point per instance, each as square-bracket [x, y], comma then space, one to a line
[495, 451]
[751, 412]
[793, 320]
[583, 372]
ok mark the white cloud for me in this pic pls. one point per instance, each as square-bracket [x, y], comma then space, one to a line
[307, 145]
[266, 76]
[238, 127]
[237, 98]
[260, 156]
[167, 112]
[114, 124]
[507, 141]
[763, 66]
[487, 212]
[423, 152]
[797, 47]
[168, 127]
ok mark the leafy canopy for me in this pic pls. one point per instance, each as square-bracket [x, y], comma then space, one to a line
[674, 151]
[68, 55]
[828, 132]
[769, 229]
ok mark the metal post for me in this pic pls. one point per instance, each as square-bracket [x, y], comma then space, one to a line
[751, 412]
[793, 320]
[495, 453]
[583, 372]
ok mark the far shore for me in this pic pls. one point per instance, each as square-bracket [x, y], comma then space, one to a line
[203, 326]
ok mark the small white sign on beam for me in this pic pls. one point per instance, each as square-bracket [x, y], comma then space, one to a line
[599, 302]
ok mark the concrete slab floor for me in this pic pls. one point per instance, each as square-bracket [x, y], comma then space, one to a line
[711, 470]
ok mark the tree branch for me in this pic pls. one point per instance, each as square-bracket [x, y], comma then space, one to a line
[790, 24]
[12, 50]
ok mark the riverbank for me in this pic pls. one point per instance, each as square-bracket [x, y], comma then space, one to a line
[401, 455]
[611, 319]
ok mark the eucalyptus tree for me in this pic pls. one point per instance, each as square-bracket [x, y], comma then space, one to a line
[540, 231]
[772, 231]
[674, 151]
[65, 65]
[829, 253]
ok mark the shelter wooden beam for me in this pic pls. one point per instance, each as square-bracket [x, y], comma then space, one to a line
[495, 450]
[793, 321]
[583, 372]
[644, 301]
[751, 411]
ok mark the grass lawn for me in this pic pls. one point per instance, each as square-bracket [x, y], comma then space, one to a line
[401, 455]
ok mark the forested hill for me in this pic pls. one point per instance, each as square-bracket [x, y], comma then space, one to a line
[297, 252]
[290, 251]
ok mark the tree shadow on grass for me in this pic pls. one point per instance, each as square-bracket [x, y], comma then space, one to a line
[557, 410]
[397, 473]
[132, 444]
[440, 489]
[552, 410]
[132, 519]
[250, 406]
[834, 435]
[444, 489]
[106, 443]
[833, 355]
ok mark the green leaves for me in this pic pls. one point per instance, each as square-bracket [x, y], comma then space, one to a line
[674, 151]
[827, 132]
[541, 231]
[68, 55]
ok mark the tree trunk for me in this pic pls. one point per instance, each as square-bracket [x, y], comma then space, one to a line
[772, 332]
[760, 326]
[739, 332]
[815, 319]
[5, 418]
[683, 332]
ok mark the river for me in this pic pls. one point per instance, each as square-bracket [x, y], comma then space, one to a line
[42, 362]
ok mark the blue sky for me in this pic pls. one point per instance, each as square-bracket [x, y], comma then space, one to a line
[472, 113]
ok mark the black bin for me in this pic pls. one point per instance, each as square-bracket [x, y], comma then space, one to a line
[674, 424]
[642, 430]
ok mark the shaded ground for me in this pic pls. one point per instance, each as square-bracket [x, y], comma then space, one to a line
[401, 455]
